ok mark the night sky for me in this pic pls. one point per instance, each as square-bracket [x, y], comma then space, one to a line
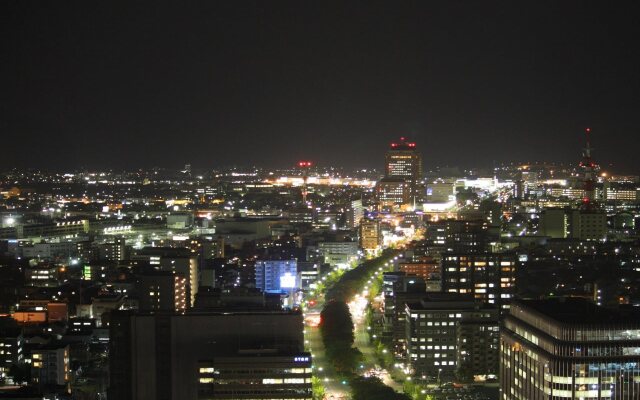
[142, 84]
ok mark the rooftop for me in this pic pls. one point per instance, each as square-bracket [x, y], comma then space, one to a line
[573, 310]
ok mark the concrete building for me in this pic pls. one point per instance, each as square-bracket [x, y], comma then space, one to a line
[338, 252]
[50, 365]
[452, 334]
[392, 193]
[161, 291]
[49, 251]
[224, 355]
[370, 235]
[42, 275]
[181, 261]
[554, 222]
[588, 224]
[115, 251]
[440, 192]
[569, 348]
[11, 345]
[179, 220]
[277, 276]
[489, 277]
[354, 214]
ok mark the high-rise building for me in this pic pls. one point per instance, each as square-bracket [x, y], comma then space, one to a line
[161, 291]
[370, 235]
[449, 334]
[403, 161]
[393, 193]
[569, 348]
[180, 261]
[208, 355]
[354, 213]
[489, 277]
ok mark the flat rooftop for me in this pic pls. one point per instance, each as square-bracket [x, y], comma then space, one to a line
[573, 310]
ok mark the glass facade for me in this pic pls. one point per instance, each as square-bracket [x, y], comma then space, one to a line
[543, 356]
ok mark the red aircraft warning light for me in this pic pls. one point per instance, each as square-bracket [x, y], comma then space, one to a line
[304, 165]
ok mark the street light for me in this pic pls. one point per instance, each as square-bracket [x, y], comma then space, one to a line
[439, 370]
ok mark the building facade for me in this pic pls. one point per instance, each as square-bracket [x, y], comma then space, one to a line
[569, 349]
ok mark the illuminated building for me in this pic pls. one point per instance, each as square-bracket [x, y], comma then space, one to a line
[65, 229]
[11, 346]
[399, 289]
[277, 276]
[451, 334]
[403, 163]
[354, 214]
[98, 273]
[392, 193]
[489, 277]
[180, 261]
[161, 291]
[338, 252]
[440, 192]
[50, 365]
[113, 251]
[569, 348]
[49, 250]
[370, 235]
[182, 220]
[209, 355]
[425, 270]
[42, 275]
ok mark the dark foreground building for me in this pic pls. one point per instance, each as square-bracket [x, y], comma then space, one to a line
[223, 355]
[569, 349]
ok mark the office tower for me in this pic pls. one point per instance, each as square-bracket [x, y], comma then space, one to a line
[569, 348]
[354, 213]
[370, 235]
[399, 289]
[452, 334]
[393, 193]
[277, 276]
[404, 161]
[208, 355]
[489, 277]
[161, 291]
[180, 261]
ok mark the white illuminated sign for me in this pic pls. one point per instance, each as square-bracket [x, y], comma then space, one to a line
[287, 281]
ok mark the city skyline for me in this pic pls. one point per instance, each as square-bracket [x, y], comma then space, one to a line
[473, 84]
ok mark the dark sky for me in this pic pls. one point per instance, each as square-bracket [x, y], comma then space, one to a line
[138, 84]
